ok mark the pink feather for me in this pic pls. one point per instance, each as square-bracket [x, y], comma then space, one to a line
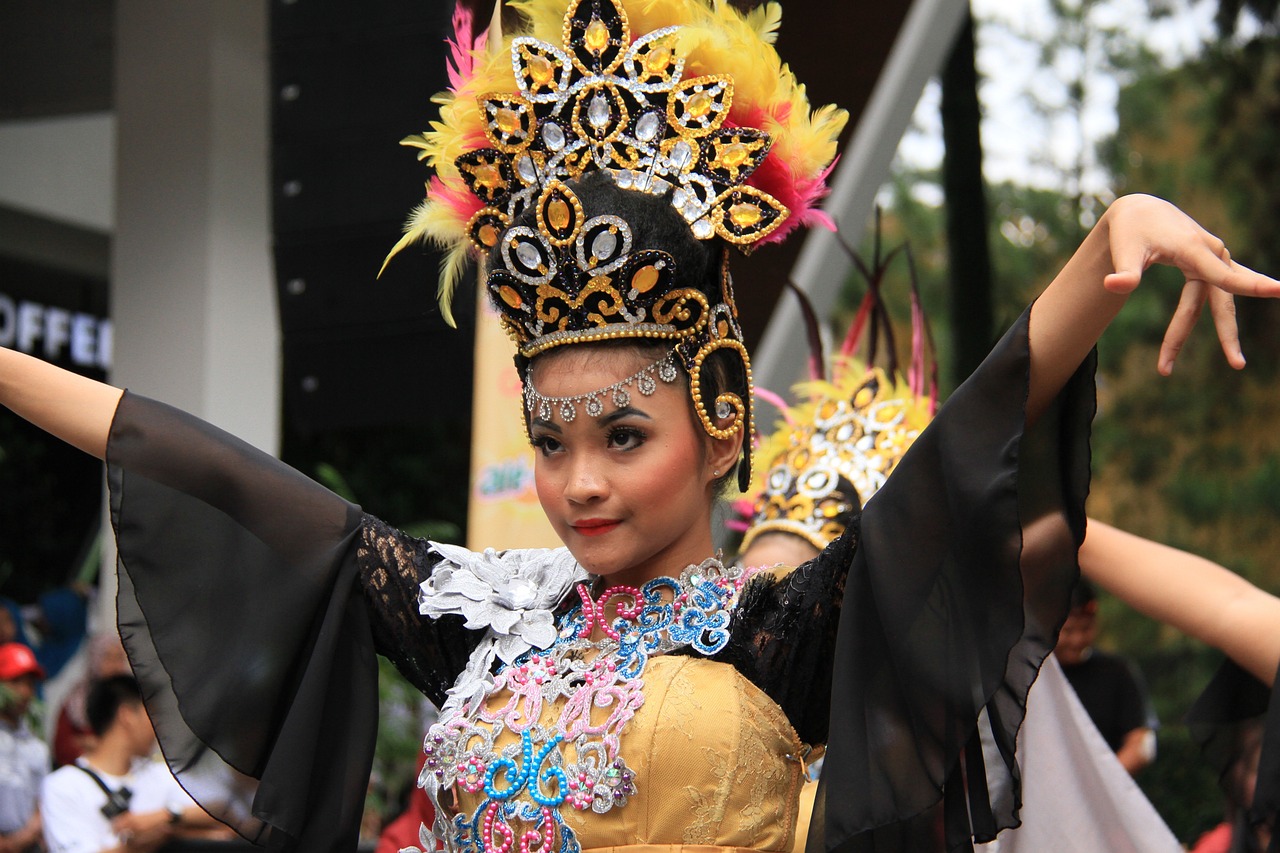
[457, 198]
[777, 402]
[462, 48]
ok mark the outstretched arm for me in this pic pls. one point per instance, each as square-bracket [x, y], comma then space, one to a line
[1134, 233]
[1194, 595]
[76, 409]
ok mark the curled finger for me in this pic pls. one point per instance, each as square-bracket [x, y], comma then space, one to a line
[1222, 306]
[1183, 321]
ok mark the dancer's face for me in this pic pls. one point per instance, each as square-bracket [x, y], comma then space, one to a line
[778, 549]
[628, 492]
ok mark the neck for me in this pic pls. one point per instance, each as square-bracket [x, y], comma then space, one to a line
[111, 755]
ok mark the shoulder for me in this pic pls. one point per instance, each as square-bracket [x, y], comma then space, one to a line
[70, 786]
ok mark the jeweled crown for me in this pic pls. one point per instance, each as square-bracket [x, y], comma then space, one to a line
[832, 454]
[680, 101]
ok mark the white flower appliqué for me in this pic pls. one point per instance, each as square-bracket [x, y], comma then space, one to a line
[511, 594]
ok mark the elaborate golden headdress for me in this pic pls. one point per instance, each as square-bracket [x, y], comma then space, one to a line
[675, 100]
[833, 451]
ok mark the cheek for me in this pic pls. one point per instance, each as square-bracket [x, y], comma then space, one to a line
[543, 482]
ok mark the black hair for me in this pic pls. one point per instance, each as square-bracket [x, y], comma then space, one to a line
[106, 697]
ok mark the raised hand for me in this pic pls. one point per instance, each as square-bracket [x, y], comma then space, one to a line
[1143, 231]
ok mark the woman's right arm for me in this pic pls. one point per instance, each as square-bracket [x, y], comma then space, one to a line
[74, 408]
[1194, 595]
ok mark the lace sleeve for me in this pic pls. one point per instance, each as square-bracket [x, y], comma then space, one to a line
[430, 653]
[784, 635]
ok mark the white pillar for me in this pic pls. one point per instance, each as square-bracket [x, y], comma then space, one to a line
[193, 297]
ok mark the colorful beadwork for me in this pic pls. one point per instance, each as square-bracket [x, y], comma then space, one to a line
[572, 760]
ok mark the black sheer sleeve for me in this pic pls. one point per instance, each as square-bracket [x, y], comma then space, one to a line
[430, 653]
[957, 588]
[1236, 721]
[239, 609]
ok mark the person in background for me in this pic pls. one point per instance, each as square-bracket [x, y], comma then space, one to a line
[827, 458]
[829, 455]
[115, 798]
[24, 758]
[71, 733]
[1211, 603]
[1107, 685]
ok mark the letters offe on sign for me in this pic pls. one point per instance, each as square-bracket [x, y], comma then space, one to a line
[54, 333]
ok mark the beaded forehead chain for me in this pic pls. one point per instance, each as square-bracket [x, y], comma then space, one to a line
[644, 380]
[674, 100]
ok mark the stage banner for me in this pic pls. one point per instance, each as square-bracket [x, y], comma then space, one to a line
[504, 510]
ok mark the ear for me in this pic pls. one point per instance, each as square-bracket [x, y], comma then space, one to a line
[724, 453]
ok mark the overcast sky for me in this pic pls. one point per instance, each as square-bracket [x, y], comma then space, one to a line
[1016, 141]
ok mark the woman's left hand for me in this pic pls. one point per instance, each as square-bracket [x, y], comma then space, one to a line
[1144, 230]
[1134, 233]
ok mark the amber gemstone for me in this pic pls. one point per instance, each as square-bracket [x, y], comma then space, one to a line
[507, 120]
[644, 279]
[509, 296]
[657, 60]
[698, 105]
[541, 69]
[488, 234]
[558, 216]
[734, 154]
[596, 37]
[488, 175]
[744, 214]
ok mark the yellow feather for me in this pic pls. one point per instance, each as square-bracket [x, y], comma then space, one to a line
[765, 20]
[452, 265]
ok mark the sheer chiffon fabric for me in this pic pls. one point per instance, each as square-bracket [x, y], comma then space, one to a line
[239, 610]
[252, 601]
[1236, 721]
[955, 596]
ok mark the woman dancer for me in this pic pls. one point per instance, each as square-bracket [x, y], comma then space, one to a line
[627, 690]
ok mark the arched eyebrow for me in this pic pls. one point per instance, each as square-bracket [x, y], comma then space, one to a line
[624, 412]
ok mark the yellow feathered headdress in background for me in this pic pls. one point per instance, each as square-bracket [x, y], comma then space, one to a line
[836, 446]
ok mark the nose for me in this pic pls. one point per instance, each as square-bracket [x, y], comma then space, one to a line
[585, 482]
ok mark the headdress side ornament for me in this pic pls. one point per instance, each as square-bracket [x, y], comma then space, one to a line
[673, 99]
[835, 449]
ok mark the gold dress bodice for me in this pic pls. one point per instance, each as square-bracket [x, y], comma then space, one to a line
[716, 764]
[626, 730]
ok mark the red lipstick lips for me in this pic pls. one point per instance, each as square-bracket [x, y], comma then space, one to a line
[595, 526]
